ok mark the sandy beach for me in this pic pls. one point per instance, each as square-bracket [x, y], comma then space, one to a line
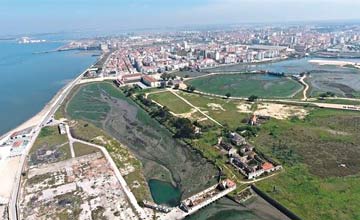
[334, 62]
[8, 169]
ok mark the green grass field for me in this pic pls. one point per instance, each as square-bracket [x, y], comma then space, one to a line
[314, 185]
[245, 85]
[81, 149]
[222, 110]
[169, 100]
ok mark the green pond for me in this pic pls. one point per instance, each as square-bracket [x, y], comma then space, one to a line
[164, 193]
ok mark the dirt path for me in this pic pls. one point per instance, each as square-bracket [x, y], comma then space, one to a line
[71, 141]
[155, 92]
[302, 81]
[193, 106]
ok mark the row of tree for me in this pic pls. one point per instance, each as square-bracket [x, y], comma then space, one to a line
[183, 127]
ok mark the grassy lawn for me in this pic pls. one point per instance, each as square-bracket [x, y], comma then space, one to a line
[245, 85]
[222, 110]
[169, 100]
[83, 149]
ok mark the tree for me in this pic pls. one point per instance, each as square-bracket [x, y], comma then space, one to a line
[184, 128]
[165, 76]
[228, 95]
[327, 94]
[191, 88]
[252, 98]
[172, 76]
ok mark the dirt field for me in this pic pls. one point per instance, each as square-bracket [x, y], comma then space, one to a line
[80, 188]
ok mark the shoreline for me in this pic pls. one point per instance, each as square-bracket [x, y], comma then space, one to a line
[33, 120]
[339, 63]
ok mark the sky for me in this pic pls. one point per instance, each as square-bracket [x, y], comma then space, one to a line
[37, 16]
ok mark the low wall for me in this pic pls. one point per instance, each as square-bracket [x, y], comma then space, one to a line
[276, 204]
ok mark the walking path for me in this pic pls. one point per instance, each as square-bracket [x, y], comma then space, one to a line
[193, 106]
[71, 140]
[302, 81]
[155, 92]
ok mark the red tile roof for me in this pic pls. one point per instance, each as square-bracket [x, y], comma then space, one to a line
[267, 166]
[17, 144]
[149, 78]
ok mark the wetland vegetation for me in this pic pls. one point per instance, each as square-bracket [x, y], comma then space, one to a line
[162, 157]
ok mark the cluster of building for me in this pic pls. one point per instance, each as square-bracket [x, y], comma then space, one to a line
[16, 143]
[151, 59]
[146, 81]
[208, 196]
[80, 188]
[161, 52]
[244, 157]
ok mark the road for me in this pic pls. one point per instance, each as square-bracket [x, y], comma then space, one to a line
[296, 102]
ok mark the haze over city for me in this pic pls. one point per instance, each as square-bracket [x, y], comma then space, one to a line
[22, 16]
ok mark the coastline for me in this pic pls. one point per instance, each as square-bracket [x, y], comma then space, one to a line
[33, 121]
[14, 180]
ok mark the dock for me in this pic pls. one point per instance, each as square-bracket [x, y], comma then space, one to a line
[198, 201]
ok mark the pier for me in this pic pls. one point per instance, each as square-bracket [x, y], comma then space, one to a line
[198, 201]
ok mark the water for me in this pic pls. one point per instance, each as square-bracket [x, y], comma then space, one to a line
[291, 66]
[164, 192]
[30, 79]
[323, 78]
[225, 209]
